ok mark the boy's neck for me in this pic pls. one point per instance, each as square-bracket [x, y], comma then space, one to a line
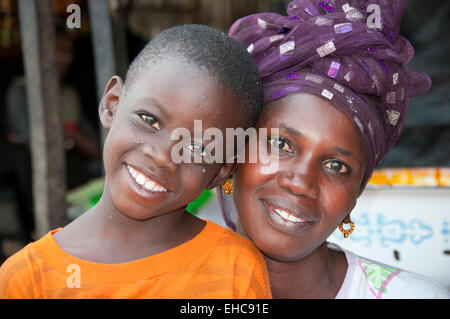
[105, 235]
[319, 275]
[111, 221]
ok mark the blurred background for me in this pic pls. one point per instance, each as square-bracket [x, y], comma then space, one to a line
[50, 157]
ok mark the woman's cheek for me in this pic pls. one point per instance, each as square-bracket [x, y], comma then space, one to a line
[269, 166]
[339, 203]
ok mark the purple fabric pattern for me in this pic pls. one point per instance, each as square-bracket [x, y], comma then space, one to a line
[333, 49]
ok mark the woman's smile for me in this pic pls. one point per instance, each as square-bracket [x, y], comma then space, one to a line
[285, 216]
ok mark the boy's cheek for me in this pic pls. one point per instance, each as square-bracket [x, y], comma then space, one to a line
[196, 176]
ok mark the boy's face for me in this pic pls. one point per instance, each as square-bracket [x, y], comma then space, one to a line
[141, 177]
[291, 211]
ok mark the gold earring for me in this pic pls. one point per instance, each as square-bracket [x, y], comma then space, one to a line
[227, 186]
[349, 229]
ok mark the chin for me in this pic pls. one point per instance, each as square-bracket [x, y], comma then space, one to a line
[277, 255]
[282, 249]
[134, 211]
[138, 216]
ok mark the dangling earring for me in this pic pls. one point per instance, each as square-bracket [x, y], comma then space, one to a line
[227, 186]
[349, 229]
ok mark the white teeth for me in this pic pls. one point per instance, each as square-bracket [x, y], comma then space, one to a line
[132, 171]
[144, 181]
[295, 219]
[288, 216]
[149, 185]
[141, 179]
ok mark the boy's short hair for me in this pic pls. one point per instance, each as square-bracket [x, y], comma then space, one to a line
[208, 48]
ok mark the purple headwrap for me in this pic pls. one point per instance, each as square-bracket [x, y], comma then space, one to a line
[348, 52]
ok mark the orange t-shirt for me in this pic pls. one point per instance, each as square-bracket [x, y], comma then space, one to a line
[216, 263]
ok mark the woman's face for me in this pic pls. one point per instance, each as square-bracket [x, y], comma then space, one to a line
[290, 211]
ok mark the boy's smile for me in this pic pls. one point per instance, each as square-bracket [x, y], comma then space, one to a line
[145, 186]
[290, 212]
[142, 178]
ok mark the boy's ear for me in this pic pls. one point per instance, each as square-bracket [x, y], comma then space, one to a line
[226, 171]
[110, 101]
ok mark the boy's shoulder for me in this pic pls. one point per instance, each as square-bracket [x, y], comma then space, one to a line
[237, 255]
[16, 273]
[228, 238]
[231, 244]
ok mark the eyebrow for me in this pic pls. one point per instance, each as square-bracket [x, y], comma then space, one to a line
[343, 151]
[290, 129]
[152, 101]
[347, 153]
[337, 149]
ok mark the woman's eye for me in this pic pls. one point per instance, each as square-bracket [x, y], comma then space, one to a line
[280, 144]
[337, 167]
[150, 119]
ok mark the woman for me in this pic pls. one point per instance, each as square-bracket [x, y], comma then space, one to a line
[337, 88]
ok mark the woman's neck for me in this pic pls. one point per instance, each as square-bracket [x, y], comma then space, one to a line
[319, 275]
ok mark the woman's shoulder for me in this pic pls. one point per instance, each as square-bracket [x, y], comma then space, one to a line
[386, 281]
[368, 278]
[420, 286]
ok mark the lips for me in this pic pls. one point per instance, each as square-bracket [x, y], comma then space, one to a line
[146, 187]
[145, 181]
[286, 216]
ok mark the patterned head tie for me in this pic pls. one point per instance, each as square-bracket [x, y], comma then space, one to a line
[348, 52]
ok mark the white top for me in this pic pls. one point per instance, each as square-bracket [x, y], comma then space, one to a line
[368, 279]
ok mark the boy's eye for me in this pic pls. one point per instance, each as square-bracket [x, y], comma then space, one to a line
[280, 144]
[337, 166]
[197, 150]
[150, 119]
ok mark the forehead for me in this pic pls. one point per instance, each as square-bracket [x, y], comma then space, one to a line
[186, 91]
[314, 117]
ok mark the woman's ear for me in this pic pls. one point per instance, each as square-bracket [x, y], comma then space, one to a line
[110, 101]
[226, 171]
[362, 190]
[347, 217]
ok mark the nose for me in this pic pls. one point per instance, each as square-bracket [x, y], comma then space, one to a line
[160, 155]
[300, 182]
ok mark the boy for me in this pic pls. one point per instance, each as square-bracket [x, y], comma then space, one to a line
[139, 241]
